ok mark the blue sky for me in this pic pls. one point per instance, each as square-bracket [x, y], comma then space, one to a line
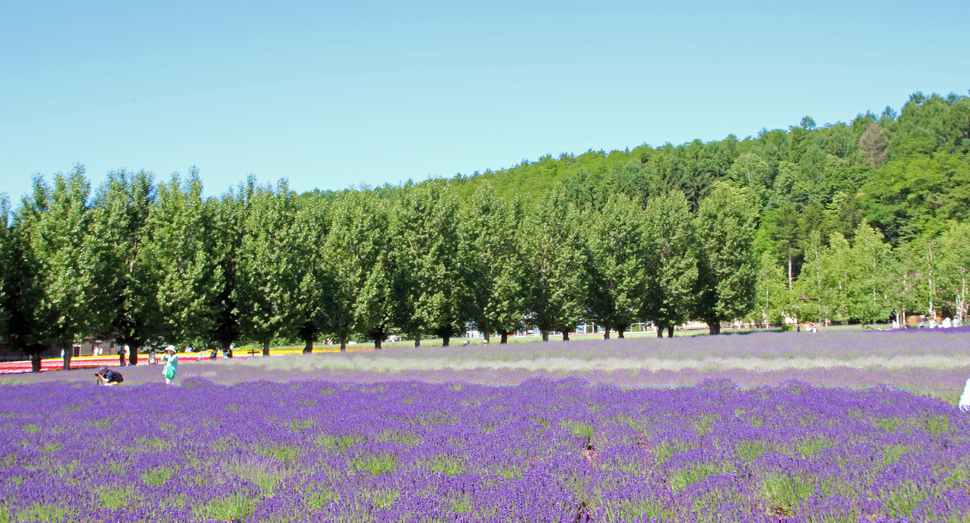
[328, 95]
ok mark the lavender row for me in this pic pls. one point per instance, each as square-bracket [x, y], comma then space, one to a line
[541, 451]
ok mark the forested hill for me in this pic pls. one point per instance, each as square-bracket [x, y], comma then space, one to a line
[907, 172]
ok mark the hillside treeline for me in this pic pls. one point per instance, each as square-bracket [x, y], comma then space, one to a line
[847, 222]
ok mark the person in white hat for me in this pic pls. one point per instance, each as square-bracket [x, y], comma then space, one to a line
[171, 367]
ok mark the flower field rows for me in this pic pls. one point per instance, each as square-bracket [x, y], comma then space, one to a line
[407, 451]
[936, 361]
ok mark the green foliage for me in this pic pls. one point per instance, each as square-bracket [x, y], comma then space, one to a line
[67, 264]
[492, 262]
[269, 267]
[178, 253]
[124, 279]
[355, 254]
[555, 259]
[727, 268]
[428, 286]
[670, 260]
[845, 222]
[617, 267]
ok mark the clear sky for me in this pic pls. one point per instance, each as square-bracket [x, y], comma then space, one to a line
[329, 94]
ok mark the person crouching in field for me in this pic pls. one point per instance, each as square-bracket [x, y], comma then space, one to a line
[171, 361]
[109, 377]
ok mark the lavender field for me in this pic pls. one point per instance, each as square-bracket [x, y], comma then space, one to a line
[408, 451]
[553, 432]
[936, 361]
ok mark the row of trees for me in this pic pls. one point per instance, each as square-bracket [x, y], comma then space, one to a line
[159, 263]
[848, 222]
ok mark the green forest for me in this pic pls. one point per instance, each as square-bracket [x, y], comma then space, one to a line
[848, 222]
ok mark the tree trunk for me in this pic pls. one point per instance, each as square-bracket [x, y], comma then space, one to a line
[132, 354]
[714, 327]
[35, 362]
[308, 348]
[417, 340]
[565, 335]
[445, 341]
[545, 335]
[505, 338]
[68, 352]
[789, 271]
[670, 330]
[606, 333]
[266, 348]
[660, 331]
[377, 343]
[619, 333]
[343, 343]
[963, 299]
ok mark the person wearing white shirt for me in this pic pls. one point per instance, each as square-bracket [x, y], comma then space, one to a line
[965, 399]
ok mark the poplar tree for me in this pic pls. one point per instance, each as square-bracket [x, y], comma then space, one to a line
[357, 241]
[179, 259]
[6, 266]
[126, 283]
[670, 261]
[424, 233]
[269, 267]
[554, 254]
[61, 244]
[492, 263]
[727, 268]
[314, 282]
[618, 280]
[22, 283]
[224, 224]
